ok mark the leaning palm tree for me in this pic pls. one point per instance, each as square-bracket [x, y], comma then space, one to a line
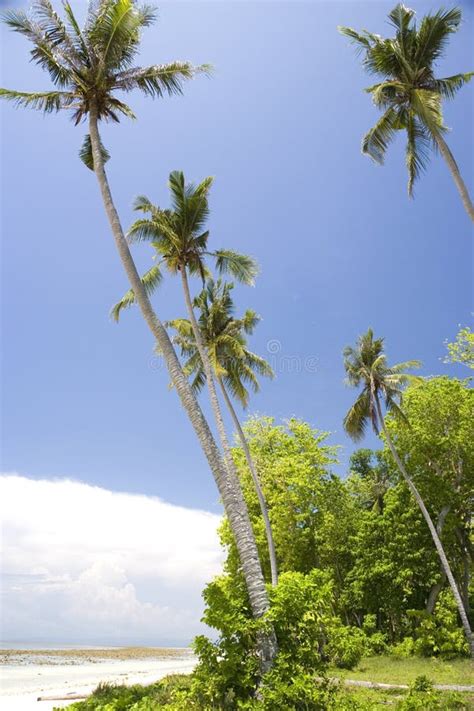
[410, 95]
[180, 241]
[366, 365]
[88, 67]
[235, 368]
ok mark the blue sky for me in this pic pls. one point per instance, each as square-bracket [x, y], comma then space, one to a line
[339, 244]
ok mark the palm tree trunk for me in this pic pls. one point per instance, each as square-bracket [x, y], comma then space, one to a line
[453, 167]
[433, 531]
[231, 495]
[269, 646]
[258, 488]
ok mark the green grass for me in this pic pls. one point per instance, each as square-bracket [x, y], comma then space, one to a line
[394, 670]
[376, 700]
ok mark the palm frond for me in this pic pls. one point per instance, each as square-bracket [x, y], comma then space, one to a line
[115, 31]
[151, 280]
[376, 141]
[159, 79]
[400, 17]
[241, 266]
[357, 38]
[406, 365]
[145, 230]
[75, 34]
[393, 407]
[433, 34]
[358, 416]
[449, 86]
[46, 101]
[143, 204]
[417, 150]
[427, 105]
[85, 153]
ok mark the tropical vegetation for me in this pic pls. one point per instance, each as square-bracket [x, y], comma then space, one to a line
[323, 573]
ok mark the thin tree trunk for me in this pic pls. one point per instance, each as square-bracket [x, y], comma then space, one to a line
[467, 560]
[437, 587]
[434, 594]
[231, 494]
[433, 531]
[258, 488]
[455, 172]
[270, 645]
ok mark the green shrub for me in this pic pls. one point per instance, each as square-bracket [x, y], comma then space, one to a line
[346, 646]
[405, 648]
[163, 694]
[435, 635]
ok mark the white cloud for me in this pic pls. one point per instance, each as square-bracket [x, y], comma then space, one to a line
[82, 564]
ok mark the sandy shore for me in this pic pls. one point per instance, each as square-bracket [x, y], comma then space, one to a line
[27, 675]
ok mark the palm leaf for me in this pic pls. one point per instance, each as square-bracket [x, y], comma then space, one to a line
[85, 153]
[358, 39]
[150, 280]
[433, 33]
[46, 101]
[376, 141]
[242, 267]
[417, 150]
[357, 417]
[159, 79]
[449, 86]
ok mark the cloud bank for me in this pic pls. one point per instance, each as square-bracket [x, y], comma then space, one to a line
[86, 565]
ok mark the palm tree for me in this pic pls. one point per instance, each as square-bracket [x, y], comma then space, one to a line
[366, 365]
[88, 67]
[234, 366]
[409, 94]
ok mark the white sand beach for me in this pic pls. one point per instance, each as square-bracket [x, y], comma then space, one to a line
[22, 683]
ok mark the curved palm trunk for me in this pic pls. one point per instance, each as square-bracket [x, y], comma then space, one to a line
[453, 167]
[433, 531]
[231, 495]
[268, 642]
[258, 488]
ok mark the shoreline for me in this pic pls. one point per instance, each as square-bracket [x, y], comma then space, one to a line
[29, 674]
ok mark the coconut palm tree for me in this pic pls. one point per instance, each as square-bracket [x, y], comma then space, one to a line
[180, 241]
[410, 94]
[366, 365]
[88, 67]
[235, 368]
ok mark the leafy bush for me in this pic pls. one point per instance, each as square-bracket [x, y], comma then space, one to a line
[346, 646]
[309, 634]
[163, 694]
[422, 696]
[435, 635]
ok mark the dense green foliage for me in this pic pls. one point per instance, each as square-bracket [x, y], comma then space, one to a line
[359, 573]
[177, 693]
[462, 349]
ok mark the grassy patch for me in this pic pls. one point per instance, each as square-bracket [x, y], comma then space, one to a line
[393, 670]
[376, 699]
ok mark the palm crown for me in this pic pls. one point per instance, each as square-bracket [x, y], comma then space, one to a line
[366, 365]
[180, 239]
[225, 339]
[90, 65]
[410, 94]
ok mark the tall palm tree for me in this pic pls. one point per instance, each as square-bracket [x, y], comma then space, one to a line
[410, 95]
[88, 67]
[366, 365]
[235, 368]
[180, 241]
